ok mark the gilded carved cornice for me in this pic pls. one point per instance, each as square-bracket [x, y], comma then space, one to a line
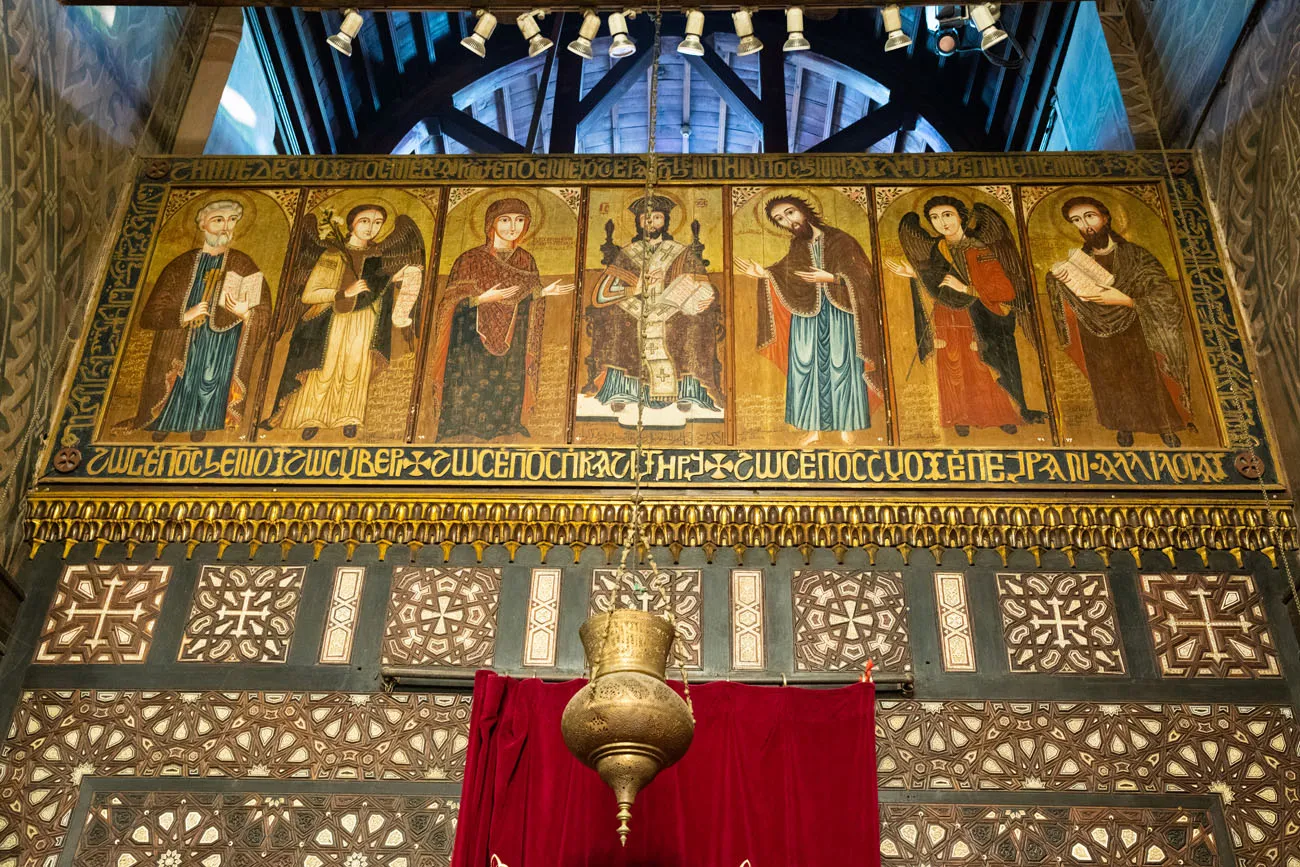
[675, 523]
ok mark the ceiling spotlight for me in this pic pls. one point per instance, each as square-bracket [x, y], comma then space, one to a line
[893, 20]
[587, 32]
[985, 18]
[348, 30]
[794, 40]
[749, 43]
[622, 44]
[537, 43]
[477, 41]
[694, 30]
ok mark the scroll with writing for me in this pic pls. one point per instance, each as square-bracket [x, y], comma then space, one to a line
[1084, 275]
[408, 281]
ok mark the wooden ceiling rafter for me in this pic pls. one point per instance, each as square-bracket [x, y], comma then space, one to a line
[406, 69]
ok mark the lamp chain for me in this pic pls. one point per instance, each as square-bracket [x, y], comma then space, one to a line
[636, 539]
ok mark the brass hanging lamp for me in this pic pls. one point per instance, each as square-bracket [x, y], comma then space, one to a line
[627, 724]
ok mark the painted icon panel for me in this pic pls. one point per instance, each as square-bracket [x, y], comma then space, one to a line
[830, 321]
[1120, 333]
[964, 346]
[809, 339]
[190, 362]
[345, 335]
[502, 327]
[654, 307]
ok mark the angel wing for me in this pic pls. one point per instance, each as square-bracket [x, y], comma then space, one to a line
[987, 226]
[403, 246]
[307, 248]
[918, 245]
[919, 249]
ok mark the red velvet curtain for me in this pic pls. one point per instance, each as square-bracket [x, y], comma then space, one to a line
[776, 777]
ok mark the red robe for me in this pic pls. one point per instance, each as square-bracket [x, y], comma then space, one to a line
[969, 393]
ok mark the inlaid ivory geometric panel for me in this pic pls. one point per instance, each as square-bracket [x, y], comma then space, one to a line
[103, 613]
[747, 628]
[1059, 623]
[442, 615]
[541, 631]
[209, 829]
[680, 589]
[843, 618]
[1243, 755]
[956, 635]
[964, 835]
[243, 614]
[1209, 624]
[342, 615]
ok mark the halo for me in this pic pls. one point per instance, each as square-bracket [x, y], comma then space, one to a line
[921, 195]
[758, 207]
[345, 200]
[1111, 198]
[625, 217]
[183, 219]
[480, 201]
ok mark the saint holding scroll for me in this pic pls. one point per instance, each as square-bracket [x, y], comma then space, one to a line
[348, 293]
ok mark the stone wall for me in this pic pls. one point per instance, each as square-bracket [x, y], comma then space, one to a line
[82, 91]
[1251, 147]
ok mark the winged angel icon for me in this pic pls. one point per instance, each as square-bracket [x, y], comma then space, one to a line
[351, 288]
[970, 291]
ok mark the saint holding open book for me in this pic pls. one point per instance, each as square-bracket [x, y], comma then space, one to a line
[1118, 315]
[654, 293]
[209, 312]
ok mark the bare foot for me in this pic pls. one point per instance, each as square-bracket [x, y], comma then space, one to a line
[846, 437]
[811, 439]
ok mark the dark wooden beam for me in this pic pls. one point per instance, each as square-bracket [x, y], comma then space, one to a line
[387, 29]
[333, 76]
[420, 37]
[722, 78]
[1033, 126]
[431, 49]
[771, 82]
[1011, 22]
[508, 12]
[568, 88]
[1029, 70]
[288, 46]
[620, 78]
[539, 103]
[318, 79]
[940, 102]
[291, 135]
[383, 69]
[476, 135]
[866, 130]
[413, 104]
[905, 128]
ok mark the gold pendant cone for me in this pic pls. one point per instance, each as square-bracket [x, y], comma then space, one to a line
[627, 723]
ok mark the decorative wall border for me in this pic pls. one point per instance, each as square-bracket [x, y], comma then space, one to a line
[1246, 755]
[734, 522]
[76, 457]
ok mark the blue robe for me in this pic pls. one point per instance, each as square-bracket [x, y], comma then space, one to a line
[198, 400]
[825, 389]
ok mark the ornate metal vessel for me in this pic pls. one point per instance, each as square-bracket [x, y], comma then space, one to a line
[627, 723]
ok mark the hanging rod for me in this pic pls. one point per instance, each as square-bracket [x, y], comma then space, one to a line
[417, 677]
